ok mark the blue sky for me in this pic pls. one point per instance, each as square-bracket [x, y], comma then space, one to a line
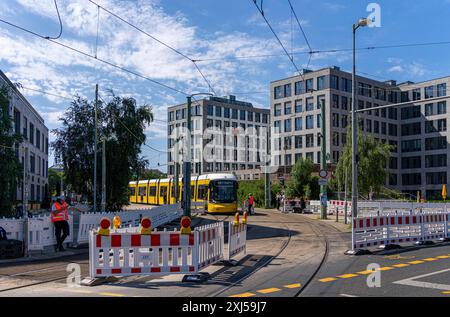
[208, 29]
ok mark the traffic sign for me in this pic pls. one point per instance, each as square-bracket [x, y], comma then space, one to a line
[322, 181]
[323, 173]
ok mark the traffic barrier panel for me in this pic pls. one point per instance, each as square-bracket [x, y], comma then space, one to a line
[159, 216]
[211, 244]
[125, 254]
[41, 231]
[237, 239]
[399, 228]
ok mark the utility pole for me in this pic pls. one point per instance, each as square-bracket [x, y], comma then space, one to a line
[266, 173]
[25, 202]
[95, 148]
[187, 164]
[345, 195]
[323, 163]
[103, 174]
[177, 172]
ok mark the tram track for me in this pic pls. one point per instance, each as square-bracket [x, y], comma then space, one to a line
[283, 246]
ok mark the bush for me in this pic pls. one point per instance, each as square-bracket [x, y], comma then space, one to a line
[256, 187]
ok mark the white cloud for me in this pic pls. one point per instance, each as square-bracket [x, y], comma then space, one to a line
[397, 68]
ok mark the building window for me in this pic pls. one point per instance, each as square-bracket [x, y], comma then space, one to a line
[437, 178]
[234, 114]
[334, 82]
[218, 111]
[319, 120]
[411, 145]
[277, 110]
[249, 116]
[287, 108]
[309, 140]
[226, 112]
[344, 103]
[411, 179]
[376, 126]
[309, 85]
[242, 114]
[436, 143]
[336, 138]
[441, 90]
[287, 143]
[438, 160]
[320, 82]
[368, 125]
[298, 87]
[287, 90]
[411, 129]
[442, 107]
[298, 124]
[416, 94]
[298, 141]
[428, 92]
[335, 101]
[344, 121]
[277, 92]
[309, 104]
[287, 125]
[298, 106]
[265, 118]
[429, 109]
[393, 179]
[277, 126]
[411, 162]
[410, 112]
[336, 120]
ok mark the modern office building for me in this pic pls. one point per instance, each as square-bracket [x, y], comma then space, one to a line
[418, 131]
[221, 114]
[34, 149]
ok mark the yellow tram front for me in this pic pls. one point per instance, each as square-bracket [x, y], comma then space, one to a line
[217, 192]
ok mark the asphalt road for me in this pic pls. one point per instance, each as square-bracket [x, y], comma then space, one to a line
[287, 255]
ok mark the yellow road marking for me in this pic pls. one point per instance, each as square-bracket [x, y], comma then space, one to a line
[385, 268]
[416, 262]
[446, 292]
[400, 265]
[443, 256]
[248, 294]
[297, 285]
[112, 294]
[430, 259]
[80, 291]
[327, 279]
[347, 275]
[365, 272]
[269, 290]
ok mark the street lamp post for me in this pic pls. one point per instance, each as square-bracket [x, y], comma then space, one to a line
[187, 160]
[361, 22]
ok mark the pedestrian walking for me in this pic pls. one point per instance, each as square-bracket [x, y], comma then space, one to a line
[251, 202]
[59, 217]
[277, 200]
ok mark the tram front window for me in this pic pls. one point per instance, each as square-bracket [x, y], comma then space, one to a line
[223, 191]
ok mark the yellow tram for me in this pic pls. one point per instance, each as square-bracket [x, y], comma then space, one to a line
[217, 191]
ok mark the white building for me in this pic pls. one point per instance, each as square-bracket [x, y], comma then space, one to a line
[30, 124]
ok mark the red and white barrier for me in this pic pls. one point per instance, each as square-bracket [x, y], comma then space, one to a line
[399, 228]
[211, 244]
[237, 239]
[126, 253]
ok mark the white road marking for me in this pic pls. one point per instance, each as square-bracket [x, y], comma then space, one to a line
[411, 281]
[348, 295]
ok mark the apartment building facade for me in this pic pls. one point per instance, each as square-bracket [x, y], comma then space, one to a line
[35, 146]
[296, 115]
[219, 114]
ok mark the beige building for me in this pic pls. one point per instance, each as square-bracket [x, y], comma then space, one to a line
[223, 114]
[417, 131]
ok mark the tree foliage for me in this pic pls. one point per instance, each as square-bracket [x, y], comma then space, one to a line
[302, 183]
[121, 124]
[373, 157]
[257, 188]
[10, 166]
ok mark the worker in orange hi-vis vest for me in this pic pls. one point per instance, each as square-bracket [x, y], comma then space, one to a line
[60, 216]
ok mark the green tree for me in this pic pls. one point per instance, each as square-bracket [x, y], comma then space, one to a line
[302, 182]
[10, 166]
[54, 181]
[121, 124]
[373, 157]
[257, 188]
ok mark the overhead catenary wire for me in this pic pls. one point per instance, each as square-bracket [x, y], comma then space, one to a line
[300, 26]
[111, 64]
[157, 40]
[337, 50]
